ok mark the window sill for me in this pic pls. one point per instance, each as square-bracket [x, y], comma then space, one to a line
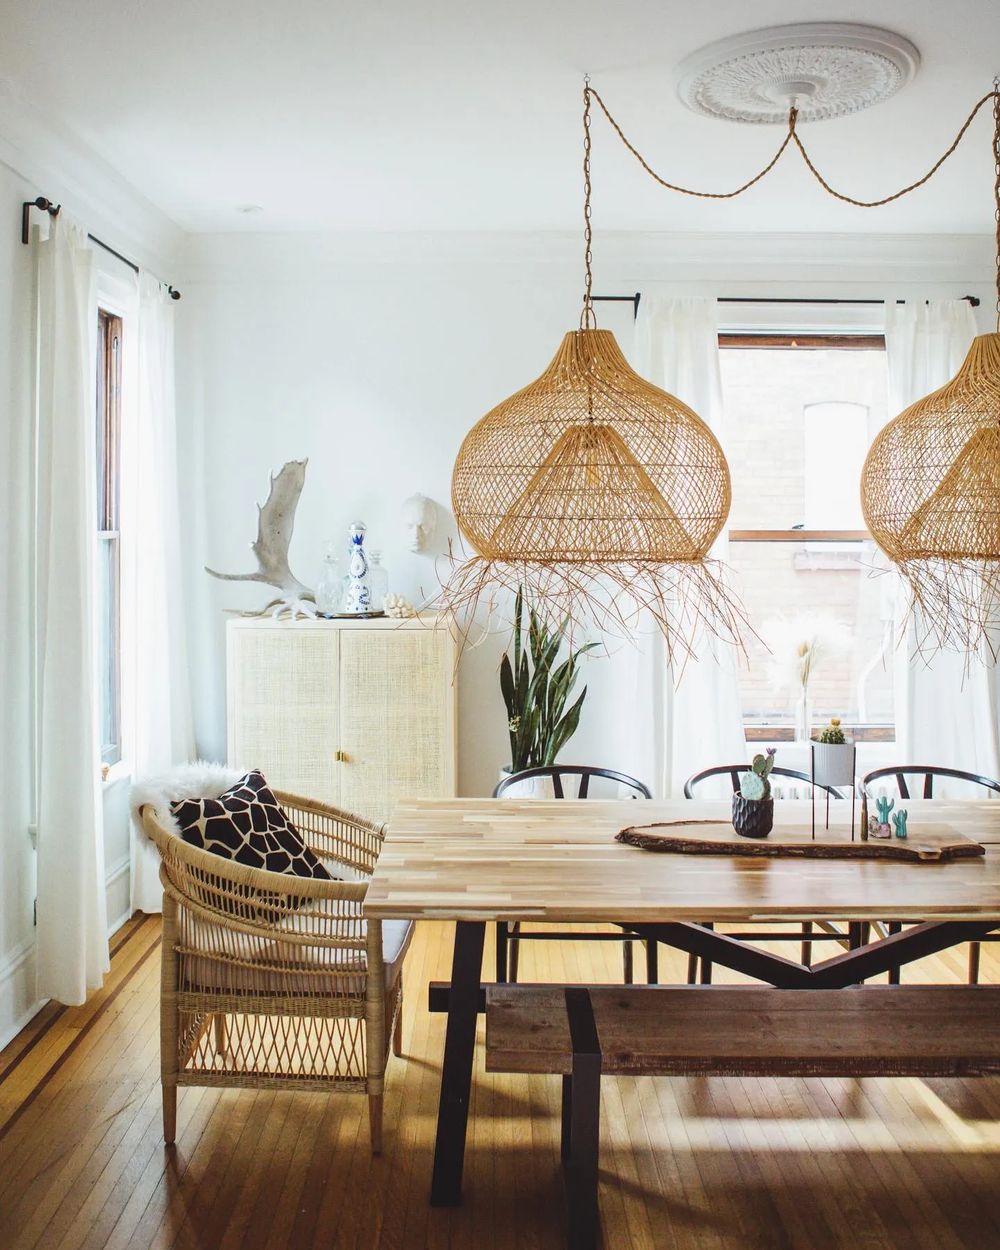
[784, 735]
[117, 773]
[870, 755]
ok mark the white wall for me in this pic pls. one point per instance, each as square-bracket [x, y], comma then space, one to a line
[36, 160]
[17, 866]
[374, 355]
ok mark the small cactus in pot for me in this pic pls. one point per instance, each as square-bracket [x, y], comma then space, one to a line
[753, 807]
[833, 756]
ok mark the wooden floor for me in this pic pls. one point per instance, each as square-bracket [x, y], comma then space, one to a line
[705, 1164]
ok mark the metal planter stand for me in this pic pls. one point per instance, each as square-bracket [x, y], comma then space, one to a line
[824, 781]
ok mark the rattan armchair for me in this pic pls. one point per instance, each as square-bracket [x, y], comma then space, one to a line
[271, 981]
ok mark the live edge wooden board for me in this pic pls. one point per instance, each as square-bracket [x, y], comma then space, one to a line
[931, 844]
[557, 860]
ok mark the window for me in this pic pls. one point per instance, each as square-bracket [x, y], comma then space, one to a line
[800, 414]
[109, 385]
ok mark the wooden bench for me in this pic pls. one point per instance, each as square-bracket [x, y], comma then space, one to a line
[583, 1032]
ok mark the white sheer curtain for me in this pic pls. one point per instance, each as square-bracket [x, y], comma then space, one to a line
[946, 709]
[72, 944]
[157, 677]
[678, 723]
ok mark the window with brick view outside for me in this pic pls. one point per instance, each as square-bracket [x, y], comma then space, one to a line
[799, 420]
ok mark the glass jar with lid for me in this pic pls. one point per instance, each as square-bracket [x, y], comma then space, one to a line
[329, 588]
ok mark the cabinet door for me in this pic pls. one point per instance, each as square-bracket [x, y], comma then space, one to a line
[397, 717]
[282, 700]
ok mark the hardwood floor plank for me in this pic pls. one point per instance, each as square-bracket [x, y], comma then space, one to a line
[144, 1210]
[73, 1024]
[95, 1126]
[91, 1116]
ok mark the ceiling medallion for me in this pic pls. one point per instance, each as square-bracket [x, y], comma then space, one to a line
[824, 69]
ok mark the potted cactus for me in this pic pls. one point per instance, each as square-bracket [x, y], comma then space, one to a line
[753, 807]
[833, 756]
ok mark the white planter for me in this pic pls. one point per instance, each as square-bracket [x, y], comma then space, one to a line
[834, 763]
[531, 788]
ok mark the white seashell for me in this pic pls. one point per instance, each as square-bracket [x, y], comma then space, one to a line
[398, 606]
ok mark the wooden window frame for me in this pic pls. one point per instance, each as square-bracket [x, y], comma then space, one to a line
[108, 435]
[802, 342]
[806, 342]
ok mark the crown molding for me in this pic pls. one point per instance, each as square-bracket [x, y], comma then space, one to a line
[53, 162]
[639, 257]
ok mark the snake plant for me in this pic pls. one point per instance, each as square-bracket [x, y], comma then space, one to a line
[536, 690]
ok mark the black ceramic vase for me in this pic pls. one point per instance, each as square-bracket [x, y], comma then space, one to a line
[752, 818]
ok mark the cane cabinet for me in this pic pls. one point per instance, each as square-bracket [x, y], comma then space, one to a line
[354, 713]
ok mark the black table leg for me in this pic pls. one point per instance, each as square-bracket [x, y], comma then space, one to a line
[502, 936]
[566, 1118]
[584, 1116]
[456, 1071]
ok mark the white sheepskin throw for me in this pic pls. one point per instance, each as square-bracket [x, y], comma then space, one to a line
[200, 780]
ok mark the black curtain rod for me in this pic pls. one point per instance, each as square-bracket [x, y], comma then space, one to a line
[973, 300]
[46, 206]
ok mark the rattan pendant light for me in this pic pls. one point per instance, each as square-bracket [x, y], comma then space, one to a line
[930, 492]
[595, 490]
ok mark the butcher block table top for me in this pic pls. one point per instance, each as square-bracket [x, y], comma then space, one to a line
[557, 860]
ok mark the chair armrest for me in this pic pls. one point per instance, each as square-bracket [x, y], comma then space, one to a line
[333, 833]
[277, 906]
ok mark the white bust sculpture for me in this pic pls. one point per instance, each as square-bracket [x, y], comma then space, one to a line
[420, 519]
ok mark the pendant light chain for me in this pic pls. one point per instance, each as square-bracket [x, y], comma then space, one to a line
[792, 137]
[896, 195]
[996, 184]
[671, 186]
[587, 319]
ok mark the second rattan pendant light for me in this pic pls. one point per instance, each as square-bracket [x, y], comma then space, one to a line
[930, 492]
[595, 490]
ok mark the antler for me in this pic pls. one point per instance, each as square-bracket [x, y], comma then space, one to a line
[275, 521]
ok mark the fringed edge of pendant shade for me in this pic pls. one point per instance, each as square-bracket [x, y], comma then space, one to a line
[687, 601]
[954, 605]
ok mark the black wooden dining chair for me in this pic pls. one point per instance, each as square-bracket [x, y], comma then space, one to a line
[509, 932]
[928, 772]
[734, 771]
[924, 775]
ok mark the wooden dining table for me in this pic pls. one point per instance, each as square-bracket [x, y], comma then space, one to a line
[477, 861]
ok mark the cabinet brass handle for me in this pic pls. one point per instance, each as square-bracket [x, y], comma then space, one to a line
[341, 757]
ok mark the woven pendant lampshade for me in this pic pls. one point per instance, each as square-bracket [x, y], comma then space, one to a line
[591, 487]
[930, 492]
[591, 463]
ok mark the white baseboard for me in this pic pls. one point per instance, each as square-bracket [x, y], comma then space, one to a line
[117, 886]
[17, 971]
[17, 991]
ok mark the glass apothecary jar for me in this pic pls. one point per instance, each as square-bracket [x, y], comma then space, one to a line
[379, 580]
[329, 587]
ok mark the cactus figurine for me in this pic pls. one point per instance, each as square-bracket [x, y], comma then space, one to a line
[899, 823]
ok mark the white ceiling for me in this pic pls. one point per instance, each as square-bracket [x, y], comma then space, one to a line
[465, 115]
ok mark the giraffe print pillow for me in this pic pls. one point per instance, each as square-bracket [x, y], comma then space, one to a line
[247, 824]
